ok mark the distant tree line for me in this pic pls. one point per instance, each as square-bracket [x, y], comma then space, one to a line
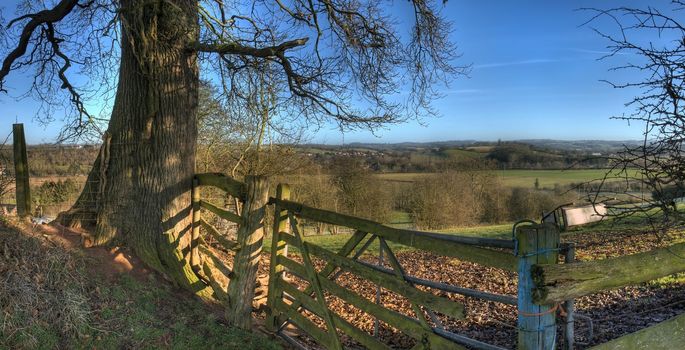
[468, 197]
[503, 155]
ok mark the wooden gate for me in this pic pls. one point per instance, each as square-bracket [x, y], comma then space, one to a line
[307, 307]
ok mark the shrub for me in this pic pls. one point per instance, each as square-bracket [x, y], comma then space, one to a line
[457, 198]
[53, 193]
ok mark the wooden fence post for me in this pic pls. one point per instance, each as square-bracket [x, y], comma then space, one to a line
[537, 244]
[21, 171]
[569, 334]
[241, 288]
[278, 248]
[197, 216]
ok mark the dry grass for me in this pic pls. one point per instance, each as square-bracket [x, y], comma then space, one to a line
[55, 297]
[43, 293]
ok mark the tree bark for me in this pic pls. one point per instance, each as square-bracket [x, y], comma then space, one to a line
[138, 192]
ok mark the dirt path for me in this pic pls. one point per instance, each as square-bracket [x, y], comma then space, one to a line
[109, 262]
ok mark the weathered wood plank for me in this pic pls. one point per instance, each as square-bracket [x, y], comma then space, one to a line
[197, 216]
[234, 187]
[241, 290]
[465, 248]
[310, 304]
[346, 249]
[569, 305]
[21, 171]
[429, 300]
[278, 248]
[222, 213]
[315, 283]
[305, 324]
[219, 292]
[536, 323]
[504, 299]
[404, 323]
[574, 216]
[666, 335]
[225, 242]
[398, 271]
[555, 283]
[217, 262]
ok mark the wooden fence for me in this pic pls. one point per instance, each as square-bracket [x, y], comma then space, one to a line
[545, 287]
[288, 304]
[554, 283]
[247, 246]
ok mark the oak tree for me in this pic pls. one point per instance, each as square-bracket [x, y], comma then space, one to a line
[346, 62]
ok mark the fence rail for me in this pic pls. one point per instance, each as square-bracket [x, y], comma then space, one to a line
[287, 302]
[555, 283]
[466, 248]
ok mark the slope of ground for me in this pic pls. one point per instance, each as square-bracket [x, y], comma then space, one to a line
[54, 295]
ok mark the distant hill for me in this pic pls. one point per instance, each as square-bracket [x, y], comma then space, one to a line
[585, 146]
[601, 146]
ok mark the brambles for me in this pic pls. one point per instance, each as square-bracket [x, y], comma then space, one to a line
[54, 193]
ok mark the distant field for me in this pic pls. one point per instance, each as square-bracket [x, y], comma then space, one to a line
[456, 153]
[547, 178]
[480, 149]
[335, 242]
[520, 178]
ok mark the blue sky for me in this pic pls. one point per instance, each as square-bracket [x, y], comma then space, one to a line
[535, 75]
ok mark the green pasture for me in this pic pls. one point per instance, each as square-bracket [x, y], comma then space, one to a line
[521, 178]
[548, 178]
[335, 242]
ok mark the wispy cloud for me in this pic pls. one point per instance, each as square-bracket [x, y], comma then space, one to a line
[515, 63]
[598, 52]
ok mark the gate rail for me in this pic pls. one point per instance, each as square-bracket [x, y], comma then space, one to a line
[287, 303]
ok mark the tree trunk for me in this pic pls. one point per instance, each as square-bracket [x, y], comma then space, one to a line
[138, 192]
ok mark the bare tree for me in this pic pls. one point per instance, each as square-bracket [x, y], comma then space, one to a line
[337, 61]
[650, 42]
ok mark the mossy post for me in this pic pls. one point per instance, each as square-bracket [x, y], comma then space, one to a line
[537, 244]
[241, 289]
[278, 248]
[21, 171]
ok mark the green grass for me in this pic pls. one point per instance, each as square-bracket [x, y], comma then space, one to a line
[335, 242]
[151, 315]
[548, 178]
[408, 177]
[461, 154]
[669, 281]
[519, 178]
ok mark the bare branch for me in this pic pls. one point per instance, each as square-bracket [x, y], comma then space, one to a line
[238, 49]
[61, 10]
